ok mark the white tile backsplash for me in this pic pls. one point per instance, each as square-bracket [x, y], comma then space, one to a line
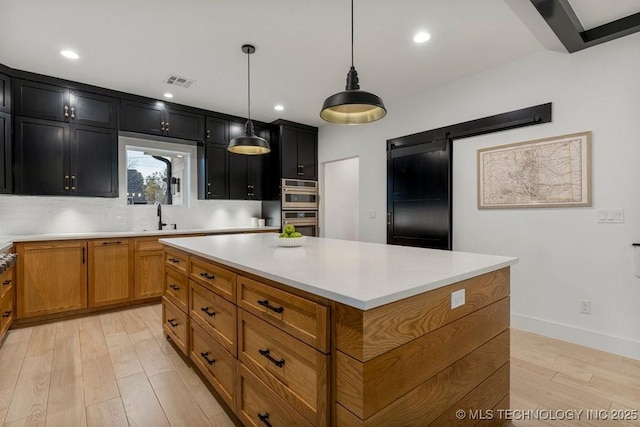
[45, 215]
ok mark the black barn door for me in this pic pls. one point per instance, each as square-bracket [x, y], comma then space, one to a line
[419, 195]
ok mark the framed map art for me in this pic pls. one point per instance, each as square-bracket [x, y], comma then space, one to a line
[550, 172]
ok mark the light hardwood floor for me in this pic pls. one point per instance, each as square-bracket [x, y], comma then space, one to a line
[118, 369]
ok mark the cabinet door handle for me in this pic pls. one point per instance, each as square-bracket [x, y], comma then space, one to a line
[204, 355]
[73, 112]
[207, 275]
[66, 182]
[83, 251]
[162, 126]
[173, 260]
[301, 170]
[388, 218]
[206, 310]
[112, 243]
[172, 322]
[6, 313]
[66, 111]
[175, 287]
[265, 419]
[167, 127]
[266, 353]
[73, 182]
[7, 282]
[208, 133]
[265, 303]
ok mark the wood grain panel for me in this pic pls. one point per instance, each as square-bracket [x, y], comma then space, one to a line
[366, 334]
[174, 323]
[425, 403]
[215, 315]
[215, 363]
[149, 274]
[478, 403]
[301, 378]
[176, 259]
[110, 271]
[380, 381]
[218, 279]
[300, 317]
[147, 244]
[176, 289]
[52, 277]
[254, 398]
[498, 419]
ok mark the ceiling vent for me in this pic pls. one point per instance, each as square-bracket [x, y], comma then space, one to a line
[174, 80]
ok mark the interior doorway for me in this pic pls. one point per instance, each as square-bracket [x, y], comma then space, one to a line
[342, 199]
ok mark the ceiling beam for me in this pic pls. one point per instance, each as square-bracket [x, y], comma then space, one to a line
[564, 22]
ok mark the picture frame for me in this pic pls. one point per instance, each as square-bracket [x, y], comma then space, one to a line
[541, 173]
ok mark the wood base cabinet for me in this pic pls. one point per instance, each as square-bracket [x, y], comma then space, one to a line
[110, 271]
[52, 277]
[7, 301]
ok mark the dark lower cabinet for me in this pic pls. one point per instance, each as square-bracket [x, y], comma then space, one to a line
[57, 159]
[156, 119]
[5, 154]
[217, 172]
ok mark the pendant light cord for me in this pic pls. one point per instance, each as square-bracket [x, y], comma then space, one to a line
[249, 86]
[351, 33]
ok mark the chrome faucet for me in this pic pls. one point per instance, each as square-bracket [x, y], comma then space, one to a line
[160, 223]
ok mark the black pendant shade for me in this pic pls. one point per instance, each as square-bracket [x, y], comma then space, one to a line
[249, 143]
[353, 106]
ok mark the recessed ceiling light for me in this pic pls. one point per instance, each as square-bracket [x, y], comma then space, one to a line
[421, 37]
[69, 54]
[168, 95]
[278, 107]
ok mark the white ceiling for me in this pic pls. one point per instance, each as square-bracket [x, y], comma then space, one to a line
[302, 47]
[593, 13]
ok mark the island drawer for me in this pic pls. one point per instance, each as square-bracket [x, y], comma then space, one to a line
[175, 324]
[8, 313]
[147, 244]
[258, 406]
[300, 317]
[295, 371]
[6, 281]
[176, 289]
[176, 259]
[214, 314]
[215, 363]
[218, 279]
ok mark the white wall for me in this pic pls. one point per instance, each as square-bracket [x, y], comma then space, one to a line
[46, 215]
[565, 255]
[339, 199]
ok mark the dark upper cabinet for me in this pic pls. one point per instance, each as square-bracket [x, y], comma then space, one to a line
[5, 93]
[5, 153]
[298, 152]
[56, 159]
[246, 173]
[157, 119]
[50, 102]
[217, 131]
[217, 172]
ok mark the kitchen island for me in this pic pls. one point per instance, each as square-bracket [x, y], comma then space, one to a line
[341, 333]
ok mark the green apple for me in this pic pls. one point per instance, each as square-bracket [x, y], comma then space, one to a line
[295, 234]
[289, 229]
[283, 235]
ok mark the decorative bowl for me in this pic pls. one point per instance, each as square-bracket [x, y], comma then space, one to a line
[290, 242]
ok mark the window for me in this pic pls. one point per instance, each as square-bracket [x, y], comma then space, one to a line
[156, 176]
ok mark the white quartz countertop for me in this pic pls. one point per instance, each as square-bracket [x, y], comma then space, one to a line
[9, 240]
[5, 245]
[358, 274]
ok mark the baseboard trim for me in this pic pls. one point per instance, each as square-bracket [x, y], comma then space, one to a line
[611, 344]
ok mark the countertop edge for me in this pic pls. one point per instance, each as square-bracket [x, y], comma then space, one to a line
[343, 299]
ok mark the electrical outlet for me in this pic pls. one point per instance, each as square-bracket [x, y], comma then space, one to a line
[372, 214]
[457, 299]
[585, 306]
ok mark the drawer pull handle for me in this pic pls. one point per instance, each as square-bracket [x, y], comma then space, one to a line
[112, 243]
[206, 310]
[265, 303]
[7, 282]
[174, 260]
[207, 275]
[7, 313]
[266, 353]
[204, 355]
[175, 287]
[265, 419]
[172, 322]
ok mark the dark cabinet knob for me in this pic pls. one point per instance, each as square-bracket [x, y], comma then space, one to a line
[172, 322]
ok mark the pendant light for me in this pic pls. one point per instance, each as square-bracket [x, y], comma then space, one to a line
[353, 106]
[249, 143]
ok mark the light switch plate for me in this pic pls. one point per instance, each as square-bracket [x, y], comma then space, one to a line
[457, 299]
